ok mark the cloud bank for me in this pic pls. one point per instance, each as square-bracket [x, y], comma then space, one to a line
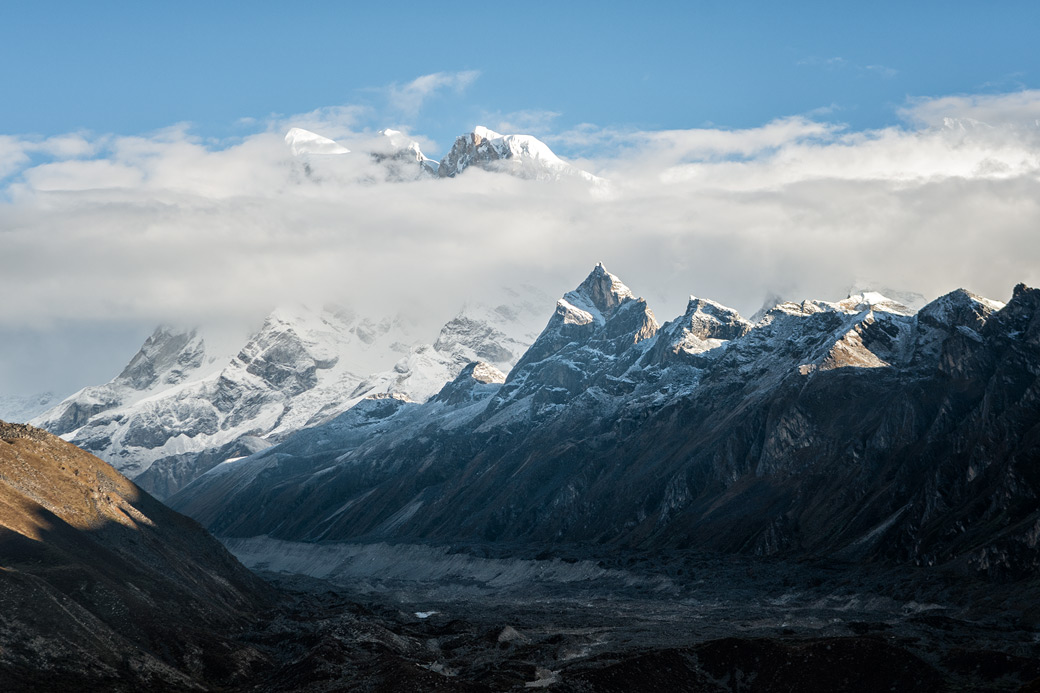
[132, 231]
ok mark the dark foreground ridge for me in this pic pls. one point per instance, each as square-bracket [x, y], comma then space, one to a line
[102, 586]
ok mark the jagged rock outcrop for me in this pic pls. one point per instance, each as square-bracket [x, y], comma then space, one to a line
[701, 333]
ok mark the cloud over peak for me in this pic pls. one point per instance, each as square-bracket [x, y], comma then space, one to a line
[170, 228]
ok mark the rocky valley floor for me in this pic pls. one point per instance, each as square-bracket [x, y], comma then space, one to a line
[468, 618]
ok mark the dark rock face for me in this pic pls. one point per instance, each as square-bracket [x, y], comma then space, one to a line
[854, 429]
[280, 358]
[471, 149]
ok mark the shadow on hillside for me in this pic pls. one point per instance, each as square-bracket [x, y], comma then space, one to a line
[122, 606]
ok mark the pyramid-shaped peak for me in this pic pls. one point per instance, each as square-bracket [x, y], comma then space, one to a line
[959, 307]
[601, 292]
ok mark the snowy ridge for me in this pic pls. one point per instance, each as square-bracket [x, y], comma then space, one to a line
[173, 400]
[523, 156]
[177, 410]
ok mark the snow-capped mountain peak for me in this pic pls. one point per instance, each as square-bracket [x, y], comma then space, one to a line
[179, 407]
[960, 307]
[524, 156]
[482, 133]
[167, 357]
[599, 295]
[872, 300]
[598, 322]
[703, 328]
[705, 319]
[302, 142]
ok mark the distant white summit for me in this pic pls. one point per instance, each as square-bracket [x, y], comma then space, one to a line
[523, 156]
[181, 407]
[303, 142]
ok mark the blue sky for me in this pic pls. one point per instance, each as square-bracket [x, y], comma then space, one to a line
[132, 67]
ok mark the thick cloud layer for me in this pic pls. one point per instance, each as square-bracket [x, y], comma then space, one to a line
[132, 231]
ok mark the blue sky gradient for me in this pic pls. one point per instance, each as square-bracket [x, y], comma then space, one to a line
[133, 68]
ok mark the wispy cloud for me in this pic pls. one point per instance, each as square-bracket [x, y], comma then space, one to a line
[409, 98]
[881, 70]
[836, 63]
[335, 122]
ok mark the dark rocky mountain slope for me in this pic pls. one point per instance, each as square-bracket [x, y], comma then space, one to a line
[855, 429]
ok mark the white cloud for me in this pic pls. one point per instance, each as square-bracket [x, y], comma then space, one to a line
[1020, 110]
[83, 175]
[13, 155]
[409, 98]
[17, 152]
[165, 228]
